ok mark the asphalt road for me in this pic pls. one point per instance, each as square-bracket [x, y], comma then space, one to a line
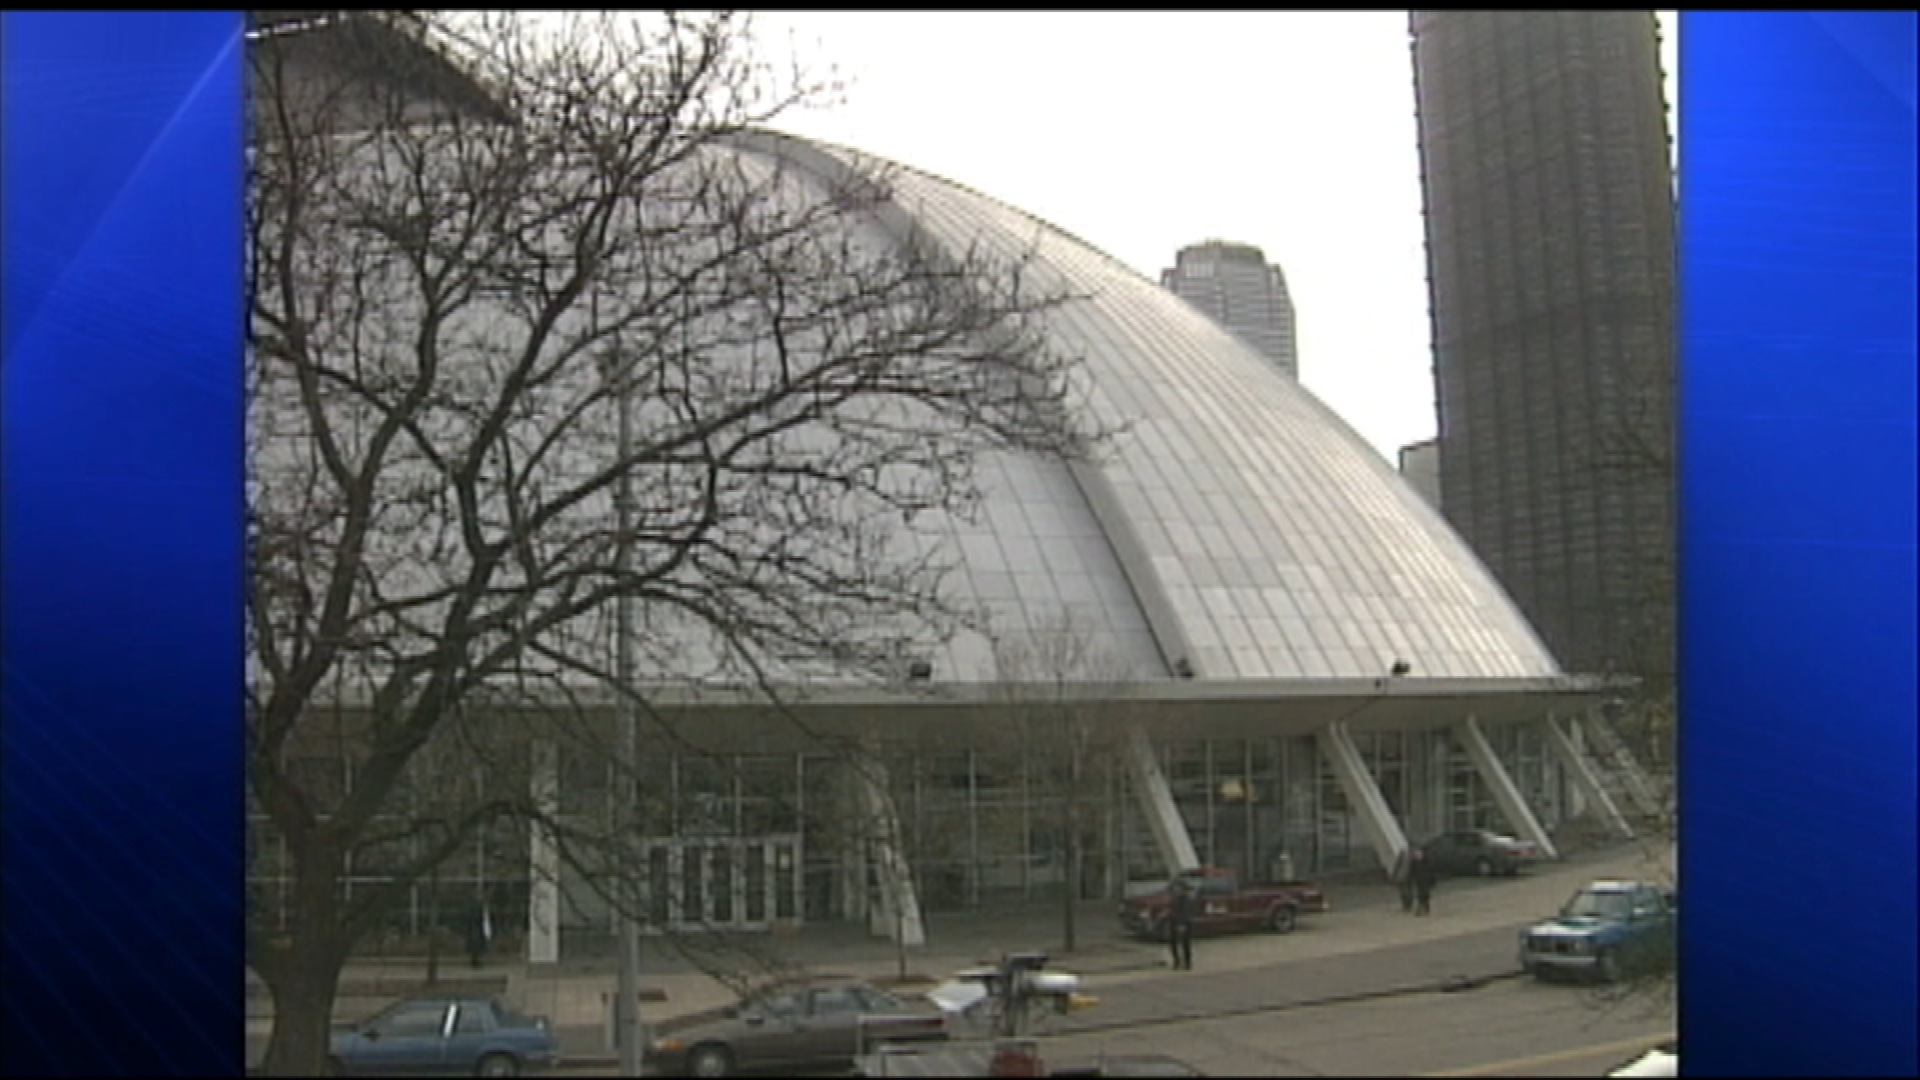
[1508, 1027]
[1391, 1014]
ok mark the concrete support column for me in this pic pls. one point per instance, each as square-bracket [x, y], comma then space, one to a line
[1156, 802]
[1382, 829]
[1585, 778]
[543, 900]
[1606, 744]
[1506, 793]
[894, 913]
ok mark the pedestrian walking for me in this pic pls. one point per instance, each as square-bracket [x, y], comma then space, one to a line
[1180, 925]
[1403, 878]
[1421, 872]
[479, 933]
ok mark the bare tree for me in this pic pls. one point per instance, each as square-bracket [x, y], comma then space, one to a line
[1060, 694]
[471, 327]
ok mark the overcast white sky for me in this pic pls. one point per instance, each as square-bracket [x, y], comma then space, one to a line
[1141, 132]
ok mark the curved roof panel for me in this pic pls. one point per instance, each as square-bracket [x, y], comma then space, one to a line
[1238, 525]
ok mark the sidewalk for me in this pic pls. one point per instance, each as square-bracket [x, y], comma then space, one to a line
[1365, 917]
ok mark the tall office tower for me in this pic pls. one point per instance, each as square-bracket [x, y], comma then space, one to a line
[1236, 285]
[1550, 255]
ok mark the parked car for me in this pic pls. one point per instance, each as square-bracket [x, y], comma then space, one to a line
[1479, 851]
[1222, 902]
[1608, 929]
[1661, 1061]
[816, 1023]
[467, 1036]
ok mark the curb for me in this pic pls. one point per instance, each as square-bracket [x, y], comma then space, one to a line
[1449, 985]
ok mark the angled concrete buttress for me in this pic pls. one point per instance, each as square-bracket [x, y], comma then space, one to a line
[895, 912]
[1383, 830]
[1609, 752]
[543, 901]
[1156, 802]
[1506, 793]
[1582, 771]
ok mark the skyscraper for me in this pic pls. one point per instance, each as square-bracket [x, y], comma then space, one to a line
[1236, 285]
[1550, 247]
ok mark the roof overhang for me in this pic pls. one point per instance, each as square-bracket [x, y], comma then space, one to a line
[1186, 708]
[402, 48]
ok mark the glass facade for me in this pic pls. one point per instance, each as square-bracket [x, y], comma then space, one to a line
[767, 838]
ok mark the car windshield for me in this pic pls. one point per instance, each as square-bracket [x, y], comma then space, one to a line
[772, 1003]
[1606, 905]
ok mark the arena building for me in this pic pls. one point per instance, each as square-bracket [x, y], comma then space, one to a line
[1287, 660]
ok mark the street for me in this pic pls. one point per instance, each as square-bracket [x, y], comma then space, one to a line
[1363, 990]
[1508, 1027]
[1388, 1017]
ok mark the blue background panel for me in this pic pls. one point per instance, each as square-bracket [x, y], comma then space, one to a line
[1798, 195]
[121, 503]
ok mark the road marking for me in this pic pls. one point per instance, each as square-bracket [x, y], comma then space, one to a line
[1494, 1068]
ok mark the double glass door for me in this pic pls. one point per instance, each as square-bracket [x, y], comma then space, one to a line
[732, 884]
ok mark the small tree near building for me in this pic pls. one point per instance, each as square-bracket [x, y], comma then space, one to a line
[1061, 695]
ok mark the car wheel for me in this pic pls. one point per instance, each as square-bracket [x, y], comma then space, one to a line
[498, 1065]
[1607, 965]
[1484, 866]
[710, 1060]
[1283, 919]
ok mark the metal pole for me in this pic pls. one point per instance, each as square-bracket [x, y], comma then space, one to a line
[626, 1019]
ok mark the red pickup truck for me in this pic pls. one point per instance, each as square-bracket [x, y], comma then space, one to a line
[1223, 902]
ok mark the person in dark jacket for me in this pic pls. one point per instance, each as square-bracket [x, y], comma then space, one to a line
[1180, 925]
[1421, 872]
[479, 933]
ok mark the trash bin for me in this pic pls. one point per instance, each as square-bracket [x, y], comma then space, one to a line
[1283, 867]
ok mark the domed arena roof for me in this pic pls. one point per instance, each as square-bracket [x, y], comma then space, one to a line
[1236, 529]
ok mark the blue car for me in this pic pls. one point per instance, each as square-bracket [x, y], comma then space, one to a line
[467, 1036]
[1608, 929]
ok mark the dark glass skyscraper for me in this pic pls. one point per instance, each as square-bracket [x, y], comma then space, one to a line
[1550, 247]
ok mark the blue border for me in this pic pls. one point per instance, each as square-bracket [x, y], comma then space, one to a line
[121, 503]
[1798, 195]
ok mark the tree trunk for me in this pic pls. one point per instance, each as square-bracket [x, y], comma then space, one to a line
[433, 928]
[1070, 885]
[303, 975]
[302, 1012]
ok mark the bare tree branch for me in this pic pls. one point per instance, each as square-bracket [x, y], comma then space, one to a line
[490, 294]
